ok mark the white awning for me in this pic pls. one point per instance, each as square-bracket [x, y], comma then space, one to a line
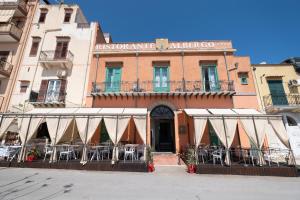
[135, 111]
[247, 112]
[111, 111]
[195, 112]
[222, 111]
[6, 15]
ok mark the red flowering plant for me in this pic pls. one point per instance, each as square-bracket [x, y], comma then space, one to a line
[150, 160]
[33, 154]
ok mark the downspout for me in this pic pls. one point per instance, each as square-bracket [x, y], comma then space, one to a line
[258, 90]
[20, 59]
[226, 65]
[96, 76]
[137, 77]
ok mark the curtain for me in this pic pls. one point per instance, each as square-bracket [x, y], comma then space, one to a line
[110, 124]
[280, 131]
[122, 125]
[250, 130]
[260, 125]
[93, 125]
[6, 122]
[231, 125]
[199, 125]
[141, 125]
[81, 126]
[52, 124]
[218, 126]
[33, 126]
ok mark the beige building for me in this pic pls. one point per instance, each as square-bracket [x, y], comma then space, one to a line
[15, 22]
[278, 89]
[56, 61]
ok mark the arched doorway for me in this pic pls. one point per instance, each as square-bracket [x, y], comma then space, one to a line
[162, 129]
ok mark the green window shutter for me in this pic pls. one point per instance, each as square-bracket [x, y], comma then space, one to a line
[113, 79]
[161, 79]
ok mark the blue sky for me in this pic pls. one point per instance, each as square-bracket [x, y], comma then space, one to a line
[266, 30]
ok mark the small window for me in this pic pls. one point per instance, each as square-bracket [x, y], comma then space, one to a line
[34, 47]
[243, 78]
[68, 15]
[23, 86]
[43, 15]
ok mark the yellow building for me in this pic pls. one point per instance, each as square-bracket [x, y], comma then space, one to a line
[277, 87]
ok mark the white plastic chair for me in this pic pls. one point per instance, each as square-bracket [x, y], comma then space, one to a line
[48, 150]
[129, 151]
[104, 151]
[254, 155]
[67, 151]
[218, 155]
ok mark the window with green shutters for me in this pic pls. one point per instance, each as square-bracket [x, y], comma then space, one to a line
[161, 82]
[277, 92]
[113, 79]
[210, 78]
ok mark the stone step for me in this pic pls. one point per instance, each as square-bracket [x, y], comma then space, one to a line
[166, 159]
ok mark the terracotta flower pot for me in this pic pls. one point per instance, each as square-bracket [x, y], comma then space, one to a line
[30, 158]
[191, 168]
[151, 167]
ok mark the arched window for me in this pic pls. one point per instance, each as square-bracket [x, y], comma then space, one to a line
[291, 121]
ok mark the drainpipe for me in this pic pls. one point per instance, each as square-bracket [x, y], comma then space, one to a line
[258, 90]
[96, 74]
[183, 72]
[137, 71]
[226, 65]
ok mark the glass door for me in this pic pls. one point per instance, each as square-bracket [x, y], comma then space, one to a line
[161, 79]
[210, 78]
[277, 92]
[53, 91]
[113, 79]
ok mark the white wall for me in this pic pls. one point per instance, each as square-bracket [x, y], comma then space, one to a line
[81, 44]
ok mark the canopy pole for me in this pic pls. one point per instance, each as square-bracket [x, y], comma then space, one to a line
[73, 128]
[115, 153]
[54, 142]
[258, 143]
[290, 147]
[196, 147]
[227, 147]
[3, 141]
[23, 149]
[84, 151]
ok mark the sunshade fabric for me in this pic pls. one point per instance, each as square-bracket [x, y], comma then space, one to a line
[6, 122]
[24, 126]
[247, 111]
[6, 15]
[195, 112]
[222, 111]
[141, 125]
[111, 127]
[261, 125]
[199, 125]
[250, 130]
[122, 125]
[273, 140]
[280, 131]
[218, 126]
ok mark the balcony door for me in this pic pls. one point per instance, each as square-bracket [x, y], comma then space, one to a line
[277, 92]
[53, 91]
[3, 58]
[210, 78]
[113, 79]
[161, 79]
[61, 50]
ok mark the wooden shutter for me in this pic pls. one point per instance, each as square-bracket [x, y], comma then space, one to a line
[58, 50]
[43, 91]
[62, 91]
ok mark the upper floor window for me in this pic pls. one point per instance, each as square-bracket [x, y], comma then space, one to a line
[23, 86]
[43, 15]
[210, 78]
[52, 91]
[34, 46]
[161, 79]
[113, 79]
[68, 15]
[243, 76]
[3, 56]
[62, 47]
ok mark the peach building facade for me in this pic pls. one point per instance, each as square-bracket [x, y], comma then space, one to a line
[167, 78]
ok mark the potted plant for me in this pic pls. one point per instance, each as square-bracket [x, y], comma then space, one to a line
[33, 154]
[191, 160]
[151, 167]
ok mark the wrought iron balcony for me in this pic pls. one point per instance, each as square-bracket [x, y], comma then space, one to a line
[164, 87]
[284, 101]
[63, 59]
[10, 33]
[19, 6]
[46, 98]
[5, 69]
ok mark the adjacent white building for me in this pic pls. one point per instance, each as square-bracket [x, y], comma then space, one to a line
[55, 66]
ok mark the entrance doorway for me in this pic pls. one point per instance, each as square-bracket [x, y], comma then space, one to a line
[162, 129]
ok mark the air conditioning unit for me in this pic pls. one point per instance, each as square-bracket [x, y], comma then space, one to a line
[293, 83]
[62, 73]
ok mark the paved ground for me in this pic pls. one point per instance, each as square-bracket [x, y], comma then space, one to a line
[166, 183]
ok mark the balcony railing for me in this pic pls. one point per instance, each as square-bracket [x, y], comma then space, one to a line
[11, 29]
[5, 68]
[47, 97]
[163, 87]
[282, 100]
[20, 4]
[56, 56]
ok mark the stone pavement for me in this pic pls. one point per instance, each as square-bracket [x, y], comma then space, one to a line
[166, 183]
